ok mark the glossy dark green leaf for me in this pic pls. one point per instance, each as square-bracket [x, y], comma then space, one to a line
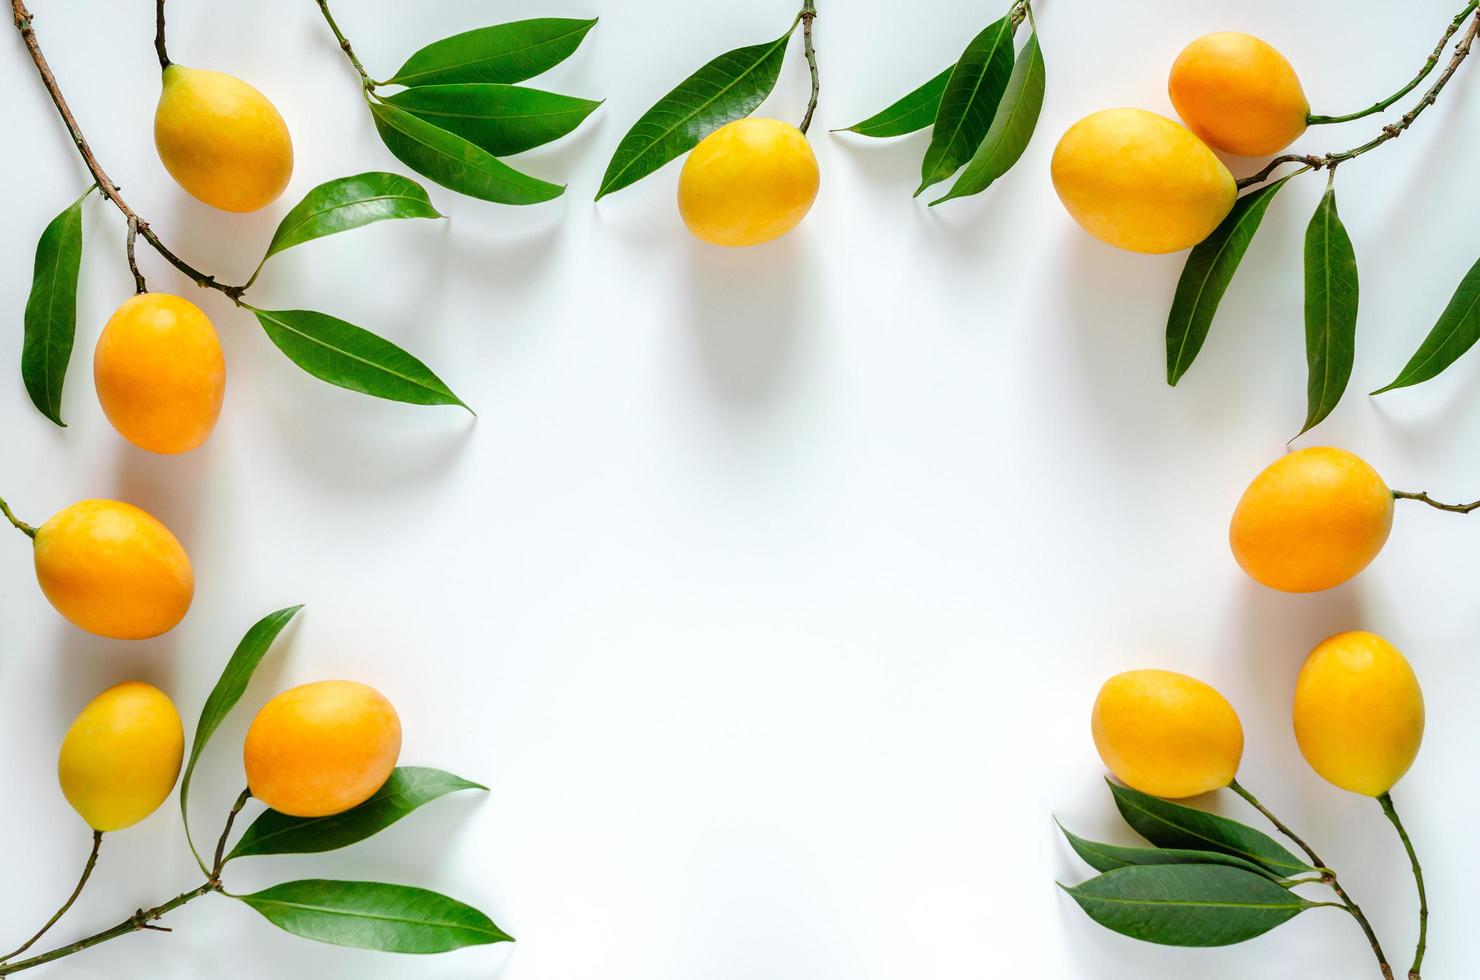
[1168, 824]
[910, 114]
[51, 310]
[351, 357]
[1108, 857]
[455, 163]
[1209, 269]
[501, 53]
[968, 103]
[347, 203]
[502, 119]
[1455, 332]
[1330, 310]
[728, 88]
[229, 689]
[1012, 126]
[372, 915]
[1187, 904]
[408, 788]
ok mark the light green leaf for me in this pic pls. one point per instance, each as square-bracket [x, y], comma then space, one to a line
[351, 357]
[1330, 310]
[408, 788]
[501, 53]
[502, 119]
[1012, 126]
[372, 915]
[728, 88]
[455, 163]
[910, 114]
[1455, 333]
[968, 103]
[51, 310]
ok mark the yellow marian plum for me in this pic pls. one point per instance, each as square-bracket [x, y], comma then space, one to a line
[748, 182]
[1311, 520]
[1167, 734]
[1140, 181]
[114, 570]
[322, 748]
[120, 758]
[1238, 94]
[221, 139]
[160, 373]
[1358, 713]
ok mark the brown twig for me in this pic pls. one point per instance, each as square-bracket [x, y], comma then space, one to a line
[809, 14]
[87, 870]
[1389, 132]
[220, 861]
[133, 232]
[159, 48]
[105, 183]
[1423, 497]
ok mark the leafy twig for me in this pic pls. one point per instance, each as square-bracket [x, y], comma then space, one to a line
[87, 870]
[23, 22]
[809, 14]
[1386, 801]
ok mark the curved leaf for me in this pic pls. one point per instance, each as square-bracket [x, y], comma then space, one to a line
[502, 119]
[968, 103]
[51, 310]
[1168, 824]
[910, 114]
[1187, 904]
[408, 788]
[230, 687]
[501, 53]
[372, 915]
[1108, 857]
[348, 203]
[1455, 333]
[1209, 269]
[1330, 310]
[1012, 126]
[728, 88]
[351, 357]
[453, 162]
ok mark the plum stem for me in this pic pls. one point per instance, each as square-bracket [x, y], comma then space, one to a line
[1386, 802]
[16, 522]
[349, 52]
[159, 48]
[87, 870]
[808, 15]
[1423, 497]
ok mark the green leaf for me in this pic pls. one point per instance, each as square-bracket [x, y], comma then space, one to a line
[910, 114]
[348, 203]
[728, 88]
[502, 119]
[455, 163]
[1168, 824]
[1330, 310]
[502, 53]
[1012, 126]
[1455, 332]
[351, 357]
[372, 915]
[51, 310]
[968, 103]
[1187, 904]
[1210, 267]
[1108, 857]
[227, 692]
[408, 788]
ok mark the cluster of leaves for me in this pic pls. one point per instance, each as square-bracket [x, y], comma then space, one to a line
[326, 347]
[983, 110]
[728, 88]
[1331, 292]
[1206, 881]
[459, 110]
[365, 914]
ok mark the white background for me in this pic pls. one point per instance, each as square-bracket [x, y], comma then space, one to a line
[770, 589]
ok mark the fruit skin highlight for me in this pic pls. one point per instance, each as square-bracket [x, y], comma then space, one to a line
[1238, 94]
[160, 373]
[748, 182]
[221, 139]
[322, 748]
[1140, 181]
[114, 570]
[1311, 520]
[1358, 713]
[120, 758]
[1167, 734]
